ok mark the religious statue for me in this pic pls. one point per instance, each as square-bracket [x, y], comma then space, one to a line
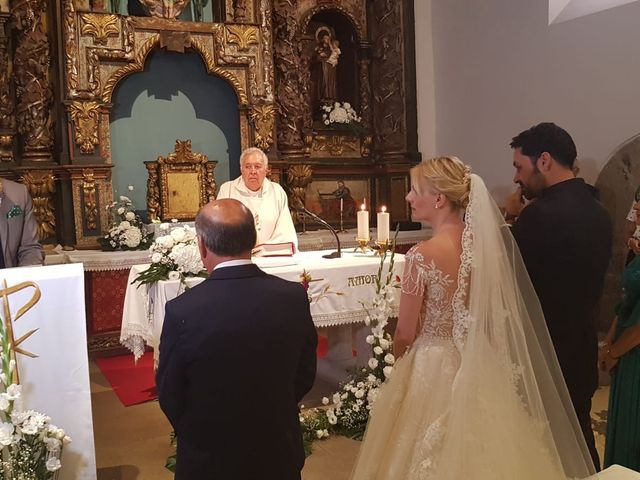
[325, 58]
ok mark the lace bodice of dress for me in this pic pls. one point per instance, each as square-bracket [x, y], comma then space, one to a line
[437, 284]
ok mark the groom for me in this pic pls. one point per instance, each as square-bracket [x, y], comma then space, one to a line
[565, 238]
[237, 353]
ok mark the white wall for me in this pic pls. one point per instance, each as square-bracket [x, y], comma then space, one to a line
[498, 68]
[425, 79]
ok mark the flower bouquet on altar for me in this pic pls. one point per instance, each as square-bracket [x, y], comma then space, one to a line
[342, 116]
[30, 446]
[127, 231]
[174, 256]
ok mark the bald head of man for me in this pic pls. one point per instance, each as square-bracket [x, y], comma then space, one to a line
[226, 231]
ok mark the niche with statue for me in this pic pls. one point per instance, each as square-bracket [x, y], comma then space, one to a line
[330, 51]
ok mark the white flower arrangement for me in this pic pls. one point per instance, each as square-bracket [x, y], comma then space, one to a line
[30, 446]
[174, 256]
[127, 231]
[339, 113]
[349, 408]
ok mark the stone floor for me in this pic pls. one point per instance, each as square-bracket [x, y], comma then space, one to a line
[132, 443]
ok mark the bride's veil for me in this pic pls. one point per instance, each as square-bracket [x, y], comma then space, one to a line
[510, 412]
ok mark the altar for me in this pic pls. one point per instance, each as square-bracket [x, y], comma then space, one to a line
[339, 290]
[107, 278]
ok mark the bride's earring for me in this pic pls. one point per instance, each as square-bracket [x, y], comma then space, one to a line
[436, 205]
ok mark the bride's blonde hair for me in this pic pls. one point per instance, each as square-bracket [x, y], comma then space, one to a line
[446, 175]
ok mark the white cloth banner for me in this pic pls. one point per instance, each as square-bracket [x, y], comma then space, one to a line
[56, 383]
[338, 289]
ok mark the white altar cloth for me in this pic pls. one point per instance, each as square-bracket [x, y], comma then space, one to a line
[99, 261]
[337, 289]
[56, 383]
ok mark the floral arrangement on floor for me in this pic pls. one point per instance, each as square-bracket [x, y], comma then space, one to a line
[343, 116]
[127, 231]
[174, 256]
[30, 446]
[347, 411]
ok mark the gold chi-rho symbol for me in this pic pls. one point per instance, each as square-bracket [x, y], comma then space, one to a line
[14, 344]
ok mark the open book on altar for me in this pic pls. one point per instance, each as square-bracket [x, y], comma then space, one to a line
[284, 249]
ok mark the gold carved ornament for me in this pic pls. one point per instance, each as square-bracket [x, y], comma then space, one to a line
[204, 50]
[41, 185]
[14, 344]
[89, 199]
[211, 187]
[86, 119]
[298, 178]
[335, 145]
[242, 35]
[263, 117]
[100, 26]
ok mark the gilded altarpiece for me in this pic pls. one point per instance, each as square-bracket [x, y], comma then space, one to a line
[354, 51]
[101, 49]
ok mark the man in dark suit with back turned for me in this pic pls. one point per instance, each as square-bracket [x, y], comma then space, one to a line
[565, 238]
[237, 354]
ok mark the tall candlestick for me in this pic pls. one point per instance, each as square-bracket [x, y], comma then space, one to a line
[363, 223]
[383, 225]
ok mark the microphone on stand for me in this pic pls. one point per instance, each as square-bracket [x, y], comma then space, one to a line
[298, 206]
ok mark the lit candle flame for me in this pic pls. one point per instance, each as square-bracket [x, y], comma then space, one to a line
[362, 207]
[383, 209]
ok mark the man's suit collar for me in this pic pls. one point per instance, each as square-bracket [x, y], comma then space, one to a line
[239, 271]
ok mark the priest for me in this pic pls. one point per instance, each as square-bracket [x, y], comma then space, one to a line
[266, 200]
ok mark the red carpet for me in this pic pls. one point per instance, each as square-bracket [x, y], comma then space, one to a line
[132, 383]
[323, 346]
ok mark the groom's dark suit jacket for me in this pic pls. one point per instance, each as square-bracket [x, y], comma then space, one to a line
[237, 354]
[565, 239]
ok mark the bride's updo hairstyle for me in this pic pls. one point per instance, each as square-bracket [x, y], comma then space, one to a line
[446, 175]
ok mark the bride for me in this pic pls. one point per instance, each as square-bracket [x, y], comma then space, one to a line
[477, 392]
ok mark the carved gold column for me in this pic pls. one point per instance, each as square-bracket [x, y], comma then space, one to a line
[92, 193]
[289, 79]
[365, 83]
[389, 90]
[41, 185]
[211, 187]
[32, 77]
[298, 178]
[7, 106]
[153, 191]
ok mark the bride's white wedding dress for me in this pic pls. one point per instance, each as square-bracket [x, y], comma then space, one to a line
[479, 395]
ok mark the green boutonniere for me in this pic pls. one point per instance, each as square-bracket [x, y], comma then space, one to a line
[14, 212]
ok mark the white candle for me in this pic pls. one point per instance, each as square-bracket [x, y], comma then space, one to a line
[383, 225]
[341, 205]
[363, 223]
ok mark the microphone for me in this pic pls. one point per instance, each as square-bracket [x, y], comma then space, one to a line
[300, 208]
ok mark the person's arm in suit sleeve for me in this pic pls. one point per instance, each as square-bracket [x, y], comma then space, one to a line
[30, 251]
[526, 231]
[170, 377]
[306, 373]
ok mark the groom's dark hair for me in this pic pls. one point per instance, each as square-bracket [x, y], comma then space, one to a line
[546, 137]
[230, 237]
